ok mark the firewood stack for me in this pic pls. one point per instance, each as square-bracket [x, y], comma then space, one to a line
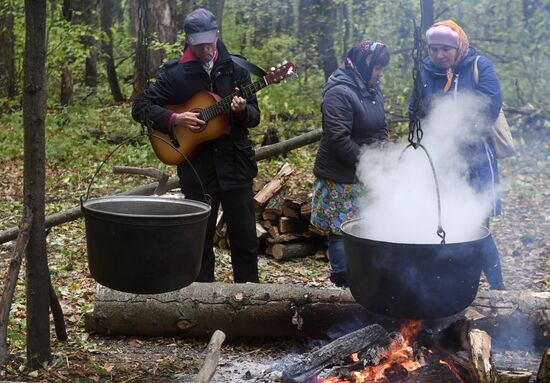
[282, 221]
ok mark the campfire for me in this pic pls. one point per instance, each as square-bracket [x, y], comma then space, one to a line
[372, 354]
[402, 358]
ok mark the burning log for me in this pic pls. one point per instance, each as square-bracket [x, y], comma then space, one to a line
[313, 363]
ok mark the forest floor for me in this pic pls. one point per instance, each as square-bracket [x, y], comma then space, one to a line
[522, 235]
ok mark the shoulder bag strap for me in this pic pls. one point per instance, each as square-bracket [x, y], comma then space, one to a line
[252, 68]
[476, 71]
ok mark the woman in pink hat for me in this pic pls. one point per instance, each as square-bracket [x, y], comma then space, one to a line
[450, 70]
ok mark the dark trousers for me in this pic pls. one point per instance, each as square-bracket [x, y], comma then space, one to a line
[491, 263]
[238, 212]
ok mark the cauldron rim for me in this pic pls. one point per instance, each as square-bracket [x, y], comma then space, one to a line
[354, 221]
[88, 205]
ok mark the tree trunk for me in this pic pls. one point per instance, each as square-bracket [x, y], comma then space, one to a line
[427, 14]
[239, 310]
[283, 311]
[217, 8]
[162, 24]
[107, 48]
[326, 38]
[8, 78]
[88, 17]
[34, 114]
[67, 88]
[139, 10]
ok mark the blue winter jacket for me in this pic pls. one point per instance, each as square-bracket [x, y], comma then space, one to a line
[483, 169]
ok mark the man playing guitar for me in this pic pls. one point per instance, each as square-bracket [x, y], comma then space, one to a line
[226, 165]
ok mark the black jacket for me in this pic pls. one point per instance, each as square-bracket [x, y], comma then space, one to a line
[227, 163]
[353, 116]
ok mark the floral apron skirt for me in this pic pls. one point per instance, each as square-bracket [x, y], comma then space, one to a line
[334, 203]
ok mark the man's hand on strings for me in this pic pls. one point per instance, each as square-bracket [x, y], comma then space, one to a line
[238, 104]
[189, 120]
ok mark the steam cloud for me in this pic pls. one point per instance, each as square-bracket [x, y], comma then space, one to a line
[401, 201]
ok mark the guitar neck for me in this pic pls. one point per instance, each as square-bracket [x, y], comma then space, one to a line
[224, 105]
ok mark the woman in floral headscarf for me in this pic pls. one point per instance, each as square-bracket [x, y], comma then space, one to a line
[353, 115]
[450, 69]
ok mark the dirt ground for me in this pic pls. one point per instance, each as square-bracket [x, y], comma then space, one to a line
[521, 234]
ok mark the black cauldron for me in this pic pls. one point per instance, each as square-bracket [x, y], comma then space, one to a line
[145, 244]
[412, 281]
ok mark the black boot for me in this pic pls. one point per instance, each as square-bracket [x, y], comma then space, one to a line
[340, 279]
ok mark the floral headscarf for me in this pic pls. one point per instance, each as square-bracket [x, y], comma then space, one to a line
[357, 57]
[462, 51]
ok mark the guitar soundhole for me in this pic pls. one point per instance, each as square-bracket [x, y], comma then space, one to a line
[200, 117]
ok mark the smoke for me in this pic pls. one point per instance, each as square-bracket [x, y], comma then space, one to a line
[401, 202]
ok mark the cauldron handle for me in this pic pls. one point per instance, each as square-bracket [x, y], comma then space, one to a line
[440, 232]
[207, 197]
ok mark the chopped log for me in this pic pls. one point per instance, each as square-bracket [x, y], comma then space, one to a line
[309, 366]
[11, 282]
[480, 348]
[267, 224]
[292, 205]
[266, 311]
[285, 251]
[269, 250]
[257, 185]
[261, 233]
[305, 210]
[212, 357]
[273, 186]
[290, 211]
[286, 238]
[274, 208]
[515, 377]
[292, 225]
[321, 254]
[543, 374]
[273, 231]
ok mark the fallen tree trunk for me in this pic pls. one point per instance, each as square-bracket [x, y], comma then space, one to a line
[239, 310]
[279, 311]
[173, 183]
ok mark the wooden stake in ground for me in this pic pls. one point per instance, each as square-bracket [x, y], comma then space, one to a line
[480, 343]
[544, 369]
[11, 282]
[212, 356]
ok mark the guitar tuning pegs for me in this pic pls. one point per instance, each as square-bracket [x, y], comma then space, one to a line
[285, 62]
[278, 66]
[272, 68]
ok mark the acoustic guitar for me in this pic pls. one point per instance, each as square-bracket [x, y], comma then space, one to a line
[181, 143]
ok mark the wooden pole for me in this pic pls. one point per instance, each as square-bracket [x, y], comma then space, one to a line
[262, 153]
[212, 357]
[10, 284]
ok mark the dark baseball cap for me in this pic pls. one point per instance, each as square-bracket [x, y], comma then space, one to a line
[201, 27]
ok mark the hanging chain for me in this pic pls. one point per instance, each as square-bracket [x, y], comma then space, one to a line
[415, 127]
